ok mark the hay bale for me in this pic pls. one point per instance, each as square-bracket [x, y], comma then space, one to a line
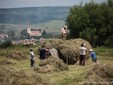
[99, 75]
[51, 64]
[16, 55]
[69, 50]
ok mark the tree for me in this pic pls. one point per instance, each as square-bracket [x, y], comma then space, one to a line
[24, 33]
[44, 32]
[11, 33]
[93, 22]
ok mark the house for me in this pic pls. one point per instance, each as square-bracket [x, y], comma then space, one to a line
[33, 32]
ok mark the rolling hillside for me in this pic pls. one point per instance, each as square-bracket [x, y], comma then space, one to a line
[32, 15]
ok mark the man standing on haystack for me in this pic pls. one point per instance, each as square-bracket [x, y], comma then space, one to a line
[64, 32]
[83, 53]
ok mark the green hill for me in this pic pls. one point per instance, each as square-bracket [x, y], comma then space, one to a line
[32, 15]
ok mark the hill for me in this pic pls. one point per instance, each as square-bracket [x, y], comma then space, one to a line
[32, 15]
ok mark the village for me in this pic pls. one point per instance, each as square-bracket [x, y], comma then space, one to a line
[26, 36]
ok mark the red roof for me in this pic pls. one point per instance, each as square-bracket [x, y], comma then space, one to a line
[34, 33]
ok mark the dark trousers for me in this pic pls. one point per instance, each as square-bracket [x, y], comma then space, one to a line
[32, 63]
[94, 60]
[82, 60]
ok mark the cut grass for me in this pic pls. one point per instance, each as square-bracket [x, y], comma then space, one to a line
[74, 76]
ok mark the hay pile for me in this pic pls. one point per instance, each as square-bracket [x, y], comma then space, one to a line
[53, 43]
[100, 75]
[9, 76]
[16, 55]
[6, 61]
[68, 50]
[50, 65]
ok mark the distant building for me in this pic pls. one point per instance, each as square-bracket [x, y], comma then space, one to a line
[33, 32]
[3, 36]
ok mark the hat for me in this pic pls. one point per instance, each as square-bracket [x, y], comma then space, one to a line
[84, 44]
[31, 49]
[65, 26]
[91, 50]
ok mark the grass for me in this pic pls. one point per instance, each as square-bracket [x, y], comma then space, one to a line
[102, 51]
[75, 75]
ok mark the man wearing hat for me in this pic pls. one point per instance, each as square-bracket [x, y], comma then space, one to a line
[93, 55]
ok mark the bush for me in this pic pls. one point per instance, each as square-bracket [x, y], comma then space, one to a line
[6, 44]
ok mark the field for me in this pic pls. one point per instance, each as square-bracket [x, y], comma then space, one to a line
[74, 76]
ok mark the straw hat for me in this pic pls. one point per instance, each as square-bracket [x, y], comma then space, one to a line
[65, 26]
[91, 50]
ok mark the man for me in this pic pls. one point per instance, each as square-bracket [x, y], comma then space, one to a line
[43, 52]
[82, 58]
[93, 55]
[64, 32]
[32, 58]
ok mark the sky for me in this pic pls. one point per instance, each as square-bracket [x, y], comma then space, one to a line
[41, 3]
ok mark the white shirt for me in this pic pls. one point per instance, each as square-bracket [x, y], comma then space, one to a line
[32, 55]
[83, 50]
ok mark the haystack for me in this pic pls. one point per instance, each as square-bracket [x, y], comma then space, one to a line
[16, 55]
[53, 43]
[51, 64]
[68, 50]
[99, 75]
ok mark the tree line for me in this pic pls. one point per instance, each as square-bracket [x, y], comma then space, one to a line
[92, 22]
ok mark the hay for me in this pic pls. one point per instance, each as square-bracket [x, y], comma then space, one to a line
[6, 61]
[51, 64]
[9, 76]
[68, 50]
[52, 43]
[16, 55]
[99, 75]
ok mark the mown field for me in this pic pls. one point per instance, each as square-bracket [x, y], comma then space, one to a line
[74, 76]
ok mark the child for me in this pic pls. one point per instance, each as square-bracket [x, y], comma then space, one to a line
[93, 55]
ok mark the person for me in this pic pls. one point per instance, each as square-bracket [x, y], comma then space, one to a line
[48, 52]
[32, 58]
[83, 52]
[93, 55]
[42, 52]
[64, 32]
